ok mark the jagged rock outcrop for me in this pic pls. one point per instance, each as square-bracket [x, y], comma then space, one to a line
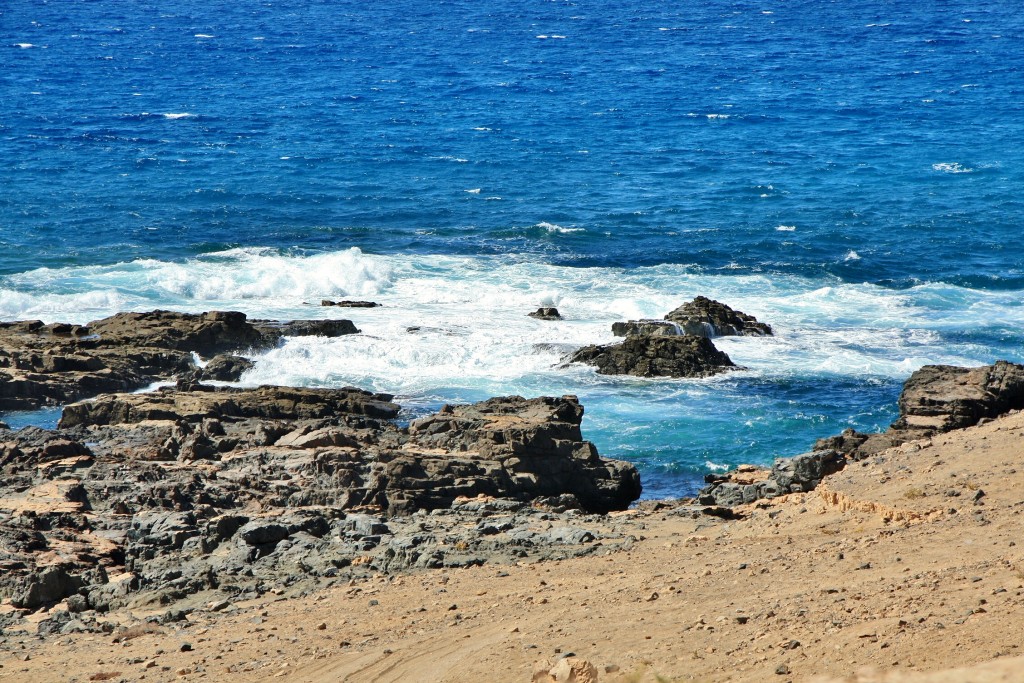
[179, 491]
[224, 367]
[940, 398]
[657, 356]
[709, 318]
[54, 364]
[539, 447]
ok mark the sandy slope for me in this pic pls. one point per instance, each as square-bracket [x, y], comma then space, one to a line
[905, 565]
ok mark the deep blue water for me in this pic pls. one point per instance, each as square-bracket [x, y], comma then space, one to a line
[848, 171]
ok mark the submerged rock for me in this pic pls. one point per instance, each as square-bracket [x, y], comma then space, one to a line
[706, 317]
[657, 356]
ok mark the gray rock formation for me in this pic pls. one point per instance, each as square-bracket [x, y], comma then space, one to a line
[243, 490]
[709, 318]
[640, 328]
[657, 356]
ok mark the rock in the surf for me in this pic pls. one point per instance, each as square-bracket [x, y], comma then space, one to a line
[641, 328]
[546, 313]
[709, 318]
[657, 356]
[54, 364]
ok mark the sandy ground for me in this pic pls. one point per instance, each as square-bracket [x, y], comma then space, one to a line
[906, 567]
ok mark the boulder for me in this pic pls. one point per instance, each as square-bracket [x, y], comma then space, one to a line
[225, 368]
[546, 313]
[800, 473]
[657, 356]
[706, 317]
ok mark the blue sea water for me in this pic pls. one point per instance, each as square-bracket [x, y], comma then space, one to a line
[850, 172]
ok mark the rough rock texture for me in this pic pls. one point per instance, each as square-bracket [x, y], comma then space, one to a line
[709, 318]
[224, 368]
[54, 364]
[940, 398]
[175, 492]
[788, 475]
[546, 313]
[536, 447]
[657, 328]
[656, 356]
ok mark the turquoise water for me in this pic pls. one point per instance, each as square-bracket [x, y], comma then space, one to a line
[848, 172]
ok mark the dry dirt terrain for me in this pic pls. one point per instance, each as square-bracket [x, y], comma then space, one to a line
[908, 566]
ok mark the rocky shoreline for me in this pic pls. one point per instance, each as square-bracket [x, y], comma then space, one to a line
[191, 495]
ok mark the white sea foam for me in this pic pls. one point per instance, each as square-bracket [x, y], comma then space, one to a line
[181, 115]
[786, 228]
[203, 35]
[475, 190]
[951, 167]
[469, 329]
[851, 256]
[24, 46]
[552, 227]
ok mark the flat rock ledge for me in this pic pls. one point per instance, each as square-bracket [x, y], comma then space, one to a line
[935, 399]
[146, 499]
[48, 365]
[657, 356]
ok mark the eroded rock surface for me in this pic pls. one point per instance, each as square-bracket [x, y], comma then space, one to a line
[44, 365]
[154, 497]
[709, 318]
[657, 356]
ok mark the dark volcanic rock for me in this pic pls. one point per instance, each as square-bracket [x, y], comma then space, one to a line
[204, 333]
[654, 328]
[305, 328]
[941, 397]
[709, 318]
[225, 368]
[655, 356]
[536, 448]
[788, 475]
[350, 304]
[546, 313]
[55, 364]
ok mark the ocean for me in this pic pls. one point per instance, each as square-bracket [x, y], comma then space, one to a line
[849, 172]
